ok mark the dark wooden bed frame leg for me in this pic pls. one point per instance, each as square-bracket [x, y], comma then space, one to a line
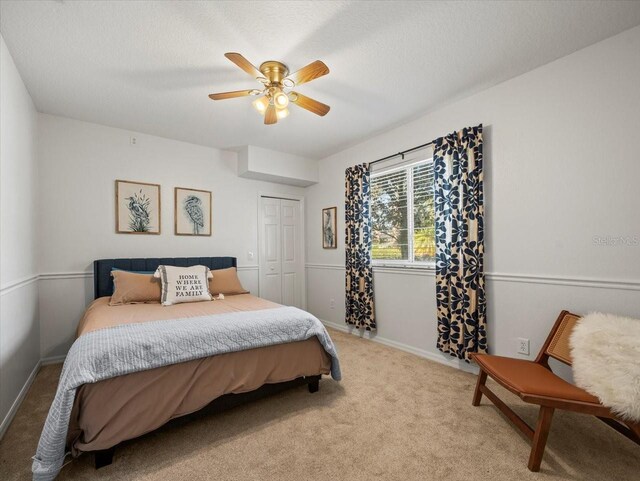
[314, 384]
[103, 457]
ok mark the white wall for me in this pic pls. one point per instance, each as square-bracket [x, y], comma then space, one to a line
[79, 163]
[265, 164]
[19, 328]
[562, 167]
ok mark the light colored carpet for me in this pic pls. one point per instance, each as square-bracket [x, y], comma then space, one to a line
[394, 417]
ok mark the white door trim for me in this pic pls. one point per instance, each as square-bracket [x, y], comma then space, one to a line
[303, 234]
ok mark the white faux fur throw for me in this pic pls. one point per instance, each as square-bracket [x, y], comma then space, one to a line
[606, 361]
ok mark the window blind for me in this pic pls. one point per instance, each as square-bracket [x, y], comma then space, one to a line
[402, 213]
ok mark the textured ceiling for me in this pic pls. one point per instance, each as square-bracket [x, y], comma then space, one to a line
[149, 66]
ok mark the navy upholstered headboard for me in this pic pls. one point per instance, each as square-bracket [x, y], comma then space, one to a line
[103, 282]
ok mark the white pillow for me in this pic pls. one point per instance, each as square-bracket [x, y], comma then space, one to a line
[184, 284]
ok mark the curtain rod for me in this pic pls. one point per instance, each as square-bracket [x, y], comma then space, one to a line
[401, 154]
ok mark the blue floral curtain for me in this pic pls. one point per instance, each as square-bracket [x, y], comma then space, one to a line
[359, 275]
[459, 219]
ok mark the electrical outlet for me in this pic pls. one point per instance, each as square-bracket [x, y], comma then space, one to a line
[133, 140]
[523, 346]
[332, 303]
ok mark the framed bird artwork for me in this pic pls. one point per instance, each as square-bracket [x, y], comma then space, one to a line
[137, 207]
[192, 212]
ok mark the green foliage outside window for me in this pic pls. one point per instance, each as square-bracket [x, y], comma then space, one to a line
[391, 206]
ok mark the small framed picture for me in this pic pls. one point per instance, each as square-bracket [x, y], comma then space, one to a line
[193, 212]
[137, 207]
[329, 228]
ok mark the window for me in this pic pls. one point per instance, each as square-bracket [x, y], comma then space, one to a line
[402, 216]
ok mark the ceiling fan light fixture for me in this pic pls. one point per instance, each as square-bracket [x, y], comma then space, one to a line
[261, 104]
[282, 113]
[280, 100]
[275, 95]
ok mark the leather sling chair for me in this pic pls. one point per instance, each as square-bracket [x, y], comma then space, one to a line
[535, 383]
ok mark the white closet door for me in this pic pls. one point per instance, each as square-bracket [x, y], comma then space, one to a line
[291, 261]
[271, 250]
[281, 261]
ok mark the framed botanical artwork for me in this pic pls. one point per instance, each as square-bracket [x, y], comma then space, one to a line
[137, 207]
[192, 212]
[329, 229]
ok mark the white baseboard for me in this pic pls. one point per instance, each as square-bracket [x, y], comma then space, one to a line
[45, 361]
[457, 364]
[16, 404]
[25, 389]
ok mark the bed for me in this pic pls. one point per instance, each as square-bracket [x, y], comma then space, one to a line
[116, 408]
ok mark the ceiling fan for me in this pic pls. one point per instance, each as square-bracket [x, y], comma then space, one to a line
[276, 93]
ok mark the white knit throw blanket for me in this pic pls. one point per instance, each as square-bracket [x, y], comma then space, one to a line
[606, 361]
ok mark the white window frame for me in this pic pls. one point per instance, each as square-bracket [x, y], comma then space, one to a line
[407, 165]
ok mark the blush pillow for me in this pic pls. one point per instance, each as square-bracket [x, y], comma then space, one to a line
[183, 284]
[134, 288]
[225, 281]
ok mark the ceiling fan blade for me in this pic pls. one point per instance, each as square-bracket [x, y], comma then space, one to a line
[244, 64]
[270, 116]
[310, 72]
[230, 95]
[311, 105]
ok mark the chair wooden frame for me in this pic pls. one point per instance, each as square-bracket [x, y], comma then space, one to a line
[538, 435]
